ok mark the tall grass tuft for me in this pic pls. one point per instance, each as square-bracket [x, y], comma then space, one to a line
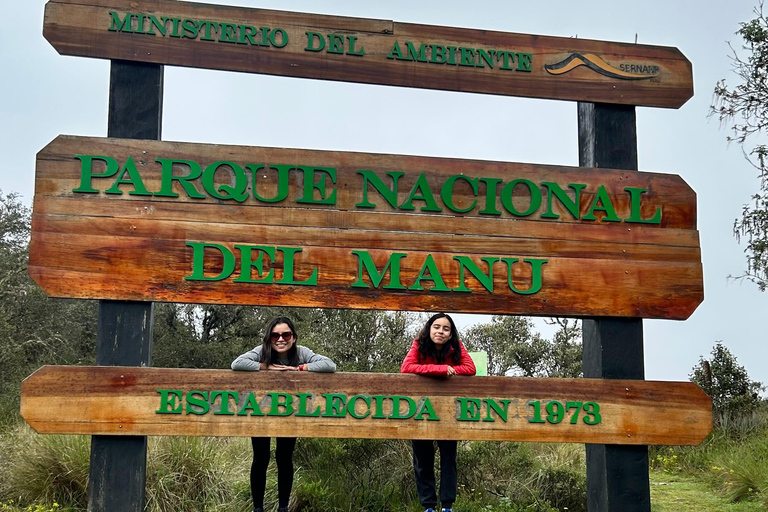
[188, 474]
[44, 469]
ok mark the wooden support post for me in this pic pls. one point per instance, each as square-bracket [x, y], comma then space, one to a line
[617, 475]
[118, 463]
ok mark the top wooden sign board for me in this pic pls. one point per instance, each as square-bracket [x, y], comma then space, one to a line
[369, 51]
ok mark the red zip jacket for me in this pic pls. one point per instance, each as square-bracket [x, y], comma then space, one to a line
[413, 364]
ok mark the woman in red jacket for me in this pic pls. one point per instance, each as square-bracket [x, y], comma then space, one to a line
[437, 351]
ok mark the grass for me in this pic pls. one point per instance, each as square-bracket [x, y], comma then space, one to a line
[727, 473]
[685, 493]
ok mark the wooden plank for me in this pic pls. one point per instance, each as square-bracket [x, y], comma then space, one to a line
[369, 51]
[126, 401]
[92, 239]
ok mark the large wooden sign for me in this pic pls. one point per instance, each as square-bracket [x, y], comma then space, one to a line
[161, 401]
[141, 220]
[162, 221]
[369, 51]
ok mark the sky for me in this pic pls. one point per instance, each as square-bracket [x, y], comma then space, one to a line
[44, 95]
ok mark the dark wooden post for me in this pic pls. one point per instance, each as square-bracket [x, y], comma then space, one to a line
[617, 475]
[118, 469]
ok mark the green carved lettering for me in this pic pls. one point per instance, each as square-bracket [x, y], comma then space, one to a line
[635, 207]
[227, 33]
[507, 58]
[286, 404]
[335, 44]
[397, 405]
[154, 23]
[247, 36]
[602, 202]
[446, 192]
[468, 409]
[140, 25]
[412, 54]
[379, 407]
[225, 397]
[430, 272]
[352, 406]
[491, 184]
[572, 205]
[524, 62]
[289, 254]
[175, 22]
[536, 274]
[467, 57]
[487, 56]
[250, 405]
[501, 409]
[120, 26]
[438, 54]
[364, 260]
[310, 185]
[533, 191]
[133, 178]
[224, 192]
[425, 408]
[189, 29]
[424, 194]
[198, 262]
[197, 405]
[351, 40]
[452, 55]
[170, 401]
[315, 42]
[390, 195]
[304, 399]
[283, 38]
[247, 262]
[205, 27]
[482, 278]
[87, 174]
[282, 181]
[167, 178]
[396, 52]
[335, 405]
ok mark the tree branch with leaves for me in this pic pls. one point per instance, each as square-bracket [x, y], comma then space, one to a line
[744, 109]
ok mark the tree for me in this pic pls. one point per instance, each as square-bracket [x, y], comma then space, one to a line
[514, 348]
[34, 329]
[727, 383]
[566, 350]
[744, 108]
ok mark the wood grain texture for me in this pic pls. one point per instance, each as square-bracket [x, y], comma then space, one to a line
[122, 246]
[82, 28]
[124, 401]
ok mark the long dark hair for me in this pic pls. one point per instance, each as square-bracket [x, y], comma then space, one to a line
[427, 348]
[266, 344]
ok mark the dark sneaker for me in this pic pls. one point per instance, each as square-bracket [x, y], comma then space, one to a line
[430, 509]
[446, 510]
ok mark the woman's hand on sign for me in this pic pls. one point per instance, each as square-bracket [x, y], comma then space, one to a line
[283, 368]
[451, 371]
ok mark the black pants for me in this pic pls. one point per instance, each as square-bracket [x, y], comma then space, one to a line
[424, 470]
[284, 459]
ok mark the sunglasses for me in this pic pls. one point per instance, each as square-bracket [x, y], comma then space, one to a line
[287, 335]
